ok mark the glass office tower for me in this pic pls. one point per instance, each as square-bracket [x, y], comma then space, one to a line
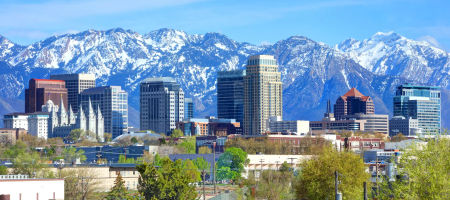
[113, 102]
[230, 95]
[422, 103]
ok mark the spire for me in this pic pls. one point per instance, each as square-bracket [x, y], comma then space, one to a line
[99, 112]
[62, 109]
[328, 106]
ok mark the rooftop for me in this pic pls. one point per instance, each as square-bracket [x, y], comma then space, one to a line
[159, 79]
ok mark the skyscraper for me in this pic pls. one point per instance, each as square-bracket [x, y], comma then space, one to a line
[161, 104]
[113, 103]
[422, 103]
[351, 103]
[75, 84]
[262, 93]
[41, 90]
[230, 95]
[188, 108]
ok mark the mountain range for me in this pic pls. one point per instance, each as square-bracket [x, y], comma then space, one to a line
[312, 72]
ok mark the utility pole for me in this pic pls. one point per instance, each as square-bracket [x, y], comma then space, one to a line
[336, 185]
[365, 190]
[203, 173]
[277, 164]
[214, 167]
[292, 162]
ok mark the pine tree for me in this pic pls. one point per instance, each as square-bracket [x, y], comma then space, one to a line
[118, 192]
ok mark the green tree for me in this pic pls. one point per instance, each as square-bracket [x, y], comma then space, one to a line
[188, 145]
[275, 185]
[80, 183]
[75, 135]
[424, 172]
[167, 182]
[71, 155]
[176, 133]
[133, 140]
[30, 164]
[3, 170]
[108, 137]
[204, 150]
[316, 178]
[191, 170]
[285, 167]
[235, 159]
[118, 192]
[202, 164]
[123, 159]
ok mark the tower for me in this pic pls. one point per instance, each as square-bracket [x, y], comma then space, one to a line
[353, 102]
[75, 84]
[262, 93]
[230, 95]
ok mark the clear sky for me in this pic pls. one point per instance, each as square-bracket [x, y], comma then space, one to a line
[257, 22]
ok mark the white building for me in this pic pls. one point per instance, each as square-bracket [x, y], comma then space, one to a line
[19, 188]
[258, 162]
[16, 120]
[38, 124]
[297, 127]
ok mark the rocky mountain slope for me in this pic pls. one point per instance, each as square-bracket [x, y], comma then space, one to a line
[312, 72]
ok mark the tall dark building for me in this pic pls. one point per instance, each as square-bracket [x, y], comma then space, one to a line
[230, 95]
[188, 109]
[41, 90]
[351, 103]
[75, 84]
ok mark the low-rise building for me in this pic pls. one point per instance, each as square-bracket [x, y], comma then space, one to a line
[208, 141]
[373, 122]
[209, 126]
[406, 126]
[259, 162]
[17, 187]
[296, 127]
[338, 125]
[16, 120]
[11, 135]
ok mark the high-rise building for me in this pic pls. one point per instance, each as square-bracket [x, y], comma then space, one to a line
[75, 84]
[113, 103]
[422, 103]
[188, 109]
[38, 124]
[351, 103]
[262, 93]
[161, 104]
[230, 95]
[41, 90]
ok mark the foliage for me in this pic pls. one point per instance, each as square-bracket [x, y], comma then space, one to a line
[3, 170]
[397, 138]
[176, 133]
[202, 164]
[30, 164]
[123, 159]
[118, 192]
[13, 151]
[274, 185]
[133, 140]
[108, 137]
[188, 145]
[285, 167]
[424, 172]
[167, 182]
[191, 170]
[71, 155]
[204, 150]
[316, 178]
[80, 183]
[231, 164]
[75, 135]
[307, 146]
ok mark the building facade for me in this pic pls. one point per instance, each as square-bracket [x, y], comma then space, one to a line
[16, 120]
[188, 108]
[230, 95]
[38, 124]
[373, 122]
[297, 127]
[161, 104]
[422, 103]
[351, 103]
[75, 84]
[18, 187]
[209, 126]
[113, 103]
[11, 135]
[41, 90]
[262, 93]
[408, 127]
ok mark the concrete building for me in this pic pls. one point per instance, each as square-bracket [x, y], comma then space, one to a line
[16, 120]
[41, 90]
[373, 122]
[297, 127]
[351, 103]
[11, 135]
[422, 103]
[338, 125]
[38, 124]
[408, 127]
[161, 104]
[62, 122]
[259, 162]
[209, 126]
[230, 95]
[262, 93]
[75, 84]
[18, 187]
[188, 108]
[113, 103]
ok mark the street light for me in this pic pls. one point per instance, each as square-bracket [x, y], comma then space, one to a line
[214, 167]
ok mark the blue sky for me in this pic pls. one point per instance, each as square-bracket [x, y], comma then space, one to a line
[257, 22]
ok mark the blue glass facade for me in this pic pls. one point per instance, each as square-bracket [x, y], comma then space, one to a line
[422, 103]
[230, 95]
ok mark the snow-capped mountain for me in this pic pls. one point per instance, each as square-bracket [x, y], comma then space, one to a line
[312, 72]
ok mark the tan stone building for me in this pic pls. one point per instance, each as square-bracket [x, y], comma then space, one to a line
[11, 135]
[262, 93]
